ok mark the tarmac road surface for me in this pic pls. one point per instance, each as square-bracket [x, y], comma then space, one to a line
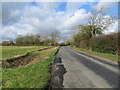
[87, 71]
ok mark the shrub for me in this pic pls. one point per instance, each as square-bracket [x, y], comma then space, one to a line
[105, 44]
[85, 44]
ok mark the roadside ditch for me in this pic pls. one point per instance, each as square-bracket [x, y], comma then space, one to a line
[22, 60]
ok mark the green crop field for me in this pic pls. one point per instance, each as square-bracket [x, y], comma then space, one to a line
[10, 51]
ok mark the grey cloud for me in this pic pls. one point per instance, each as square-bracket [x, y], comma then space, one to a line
[7, 8]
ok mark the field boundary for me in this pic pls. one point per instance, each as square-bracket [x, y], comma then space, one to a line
[21, 56]
[19, 59]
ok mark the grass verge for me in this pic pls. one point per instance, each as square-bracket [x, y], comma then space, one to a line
[33, 76]
[103, 55]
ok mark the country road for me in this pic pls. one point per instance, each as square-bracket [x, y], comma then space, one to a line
[86, 71]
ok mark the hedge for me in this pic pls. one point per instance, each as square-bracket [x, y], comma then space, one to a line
[105, 43]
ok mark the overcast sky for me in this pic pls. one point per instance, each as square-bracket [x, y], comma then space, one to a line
[22, 18]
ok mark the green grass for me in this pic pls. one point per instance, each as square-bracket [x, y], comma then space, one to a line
[0, 52]
[103, 55]
[10, 51]
[33, 76]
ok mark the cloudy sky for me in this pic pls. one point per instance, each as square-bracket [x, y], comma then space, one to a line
[22, 18]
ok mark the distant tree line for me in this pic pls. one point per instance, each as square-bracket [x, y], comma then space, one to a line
[7, 43]
[28, 40]
[34, 40]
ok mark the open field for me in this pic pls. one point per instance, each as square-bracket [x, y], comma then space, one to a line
[35, 75]
[10, 51]
[103, 55]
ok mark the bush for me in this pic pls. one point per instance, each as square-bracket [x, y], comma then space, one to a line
[105, 44]
[85, 44]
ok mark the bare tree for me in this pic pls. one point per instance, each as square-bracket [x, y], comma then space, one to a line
[99, 20]
[55, 35]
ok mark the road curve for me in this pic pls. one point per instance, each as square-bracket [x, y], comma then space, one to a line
[86, 71]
